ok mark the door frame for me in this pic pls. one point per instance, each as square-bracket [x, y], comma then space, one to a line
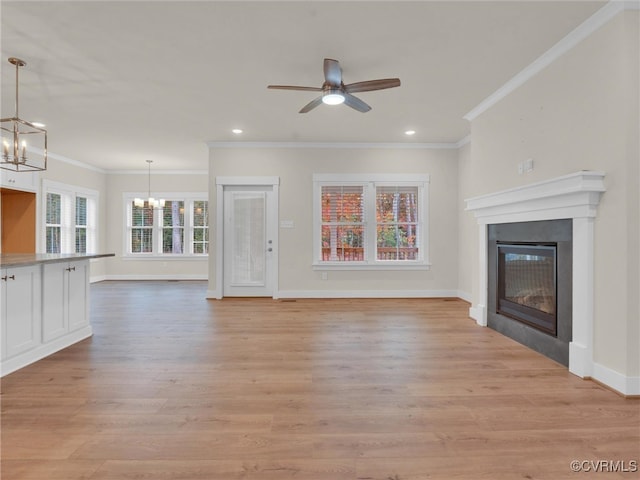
[248, 181]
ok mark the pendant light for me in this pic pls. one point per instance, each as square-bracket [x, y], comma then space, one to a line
[150, 202]
[17, 134]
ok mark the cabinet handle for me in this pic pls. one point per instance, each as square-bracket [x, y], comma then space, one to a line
[12, 277]
[4, 279]
[70, 269]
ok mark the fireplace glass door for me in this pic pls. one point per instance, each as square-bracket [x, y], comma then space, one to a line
[527, 284]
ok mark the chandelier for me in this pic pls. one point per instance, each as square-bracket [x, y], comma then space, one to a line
[150, 202]
[16, 132]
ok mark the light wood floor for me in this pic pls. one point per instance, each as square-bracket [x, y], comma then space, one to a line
[173, 386]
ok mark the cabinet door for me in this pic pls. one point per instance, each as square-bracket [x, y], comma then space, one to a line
[78, 294]
[54, 321]
[19, 180]
[22, 309]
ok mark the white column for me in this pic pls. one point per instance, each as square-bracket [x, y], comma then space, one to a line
[479, 311]
[581, 347]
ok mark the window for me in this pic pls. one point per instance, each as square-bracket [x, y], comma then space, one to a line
[81, 225]
[370, 221]
[173, 226]
[342, 222]
[178, 229]
[397, 225]
[70, 218]
[200, 226]
[141, 229]
[54, 223]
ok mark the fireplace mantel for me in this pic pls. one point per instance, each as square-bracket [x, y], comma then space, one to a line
[569, 196]
[575, 196]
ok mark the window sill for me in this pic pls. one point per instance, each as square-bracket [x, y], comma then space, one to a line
[164, 258]
[371, 266]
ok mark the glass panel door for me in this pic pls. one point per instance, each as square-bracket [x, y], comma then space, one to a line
[248, 238]
[248, 241]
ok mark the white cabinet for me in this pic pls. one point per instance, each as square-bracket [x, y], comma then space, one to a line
[65, 297]
[19, 180]
[21, 309]
[44, 307]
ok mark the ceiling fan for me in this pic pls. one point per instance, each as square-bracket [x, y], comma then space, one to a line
[335, 92]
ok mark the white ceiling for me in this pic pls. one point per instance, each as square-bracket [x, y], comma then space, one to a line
[124, 81]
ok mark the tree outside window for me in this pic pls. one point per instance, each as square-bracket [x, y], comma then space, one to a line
[173, 226]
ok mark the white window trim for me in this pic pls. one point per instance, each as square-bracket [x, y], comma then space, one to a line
[69, 194]
[371, 181]
[188, 198]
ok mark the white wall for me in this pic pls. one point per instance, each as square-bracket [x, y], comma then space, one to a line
[121, 267]
[72, 174]
[295, 168]
[467, 228]
[580, 113]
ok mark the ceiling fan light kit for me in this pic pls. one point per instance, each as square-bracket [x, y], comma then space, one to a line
[335, 92]
[333, 97]
[15, 132]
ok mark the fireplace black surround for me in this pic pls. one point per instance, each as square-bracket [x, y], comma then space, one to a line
[530, 284]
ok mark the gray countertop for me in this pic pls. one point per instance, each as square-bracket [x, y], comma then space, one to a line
[25, 259]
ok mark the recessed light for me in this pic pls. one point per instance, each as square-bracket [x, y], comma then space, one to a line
[410, 132]
[237, 131]
[38, 124]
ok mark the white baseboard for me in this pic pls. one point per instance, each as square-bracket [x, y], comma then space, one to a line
[366, 294]
[187, 276]
[479, 314]
[465, 296]
[98, 278]
[213, 294]
[615, 380]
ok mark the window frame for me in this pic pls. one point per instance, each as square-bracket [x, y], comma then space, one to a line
[189, 198]
[68, 194]
[369, 182]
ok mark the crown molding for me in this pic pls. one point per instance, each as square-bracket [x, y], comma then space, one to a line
[157, 172]
[356, 145]
[582, 31]
[463, 141]
[70, 161]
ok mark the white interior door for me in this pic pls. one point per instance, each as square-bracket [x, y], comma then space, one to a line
[249, 244]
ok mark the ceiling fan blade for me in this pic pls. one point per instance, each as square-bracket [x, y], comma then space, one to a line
[294, 87]
[332, 72]
[355, 103]
[311, 105]
[372, 85]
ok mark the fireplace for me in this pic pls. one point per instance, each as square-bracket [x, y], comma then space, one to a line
[575, 198]
[530, 284]
[526, 286]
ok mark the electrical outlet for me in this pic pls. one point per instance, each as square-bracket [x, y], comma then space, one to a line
[324, 276]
